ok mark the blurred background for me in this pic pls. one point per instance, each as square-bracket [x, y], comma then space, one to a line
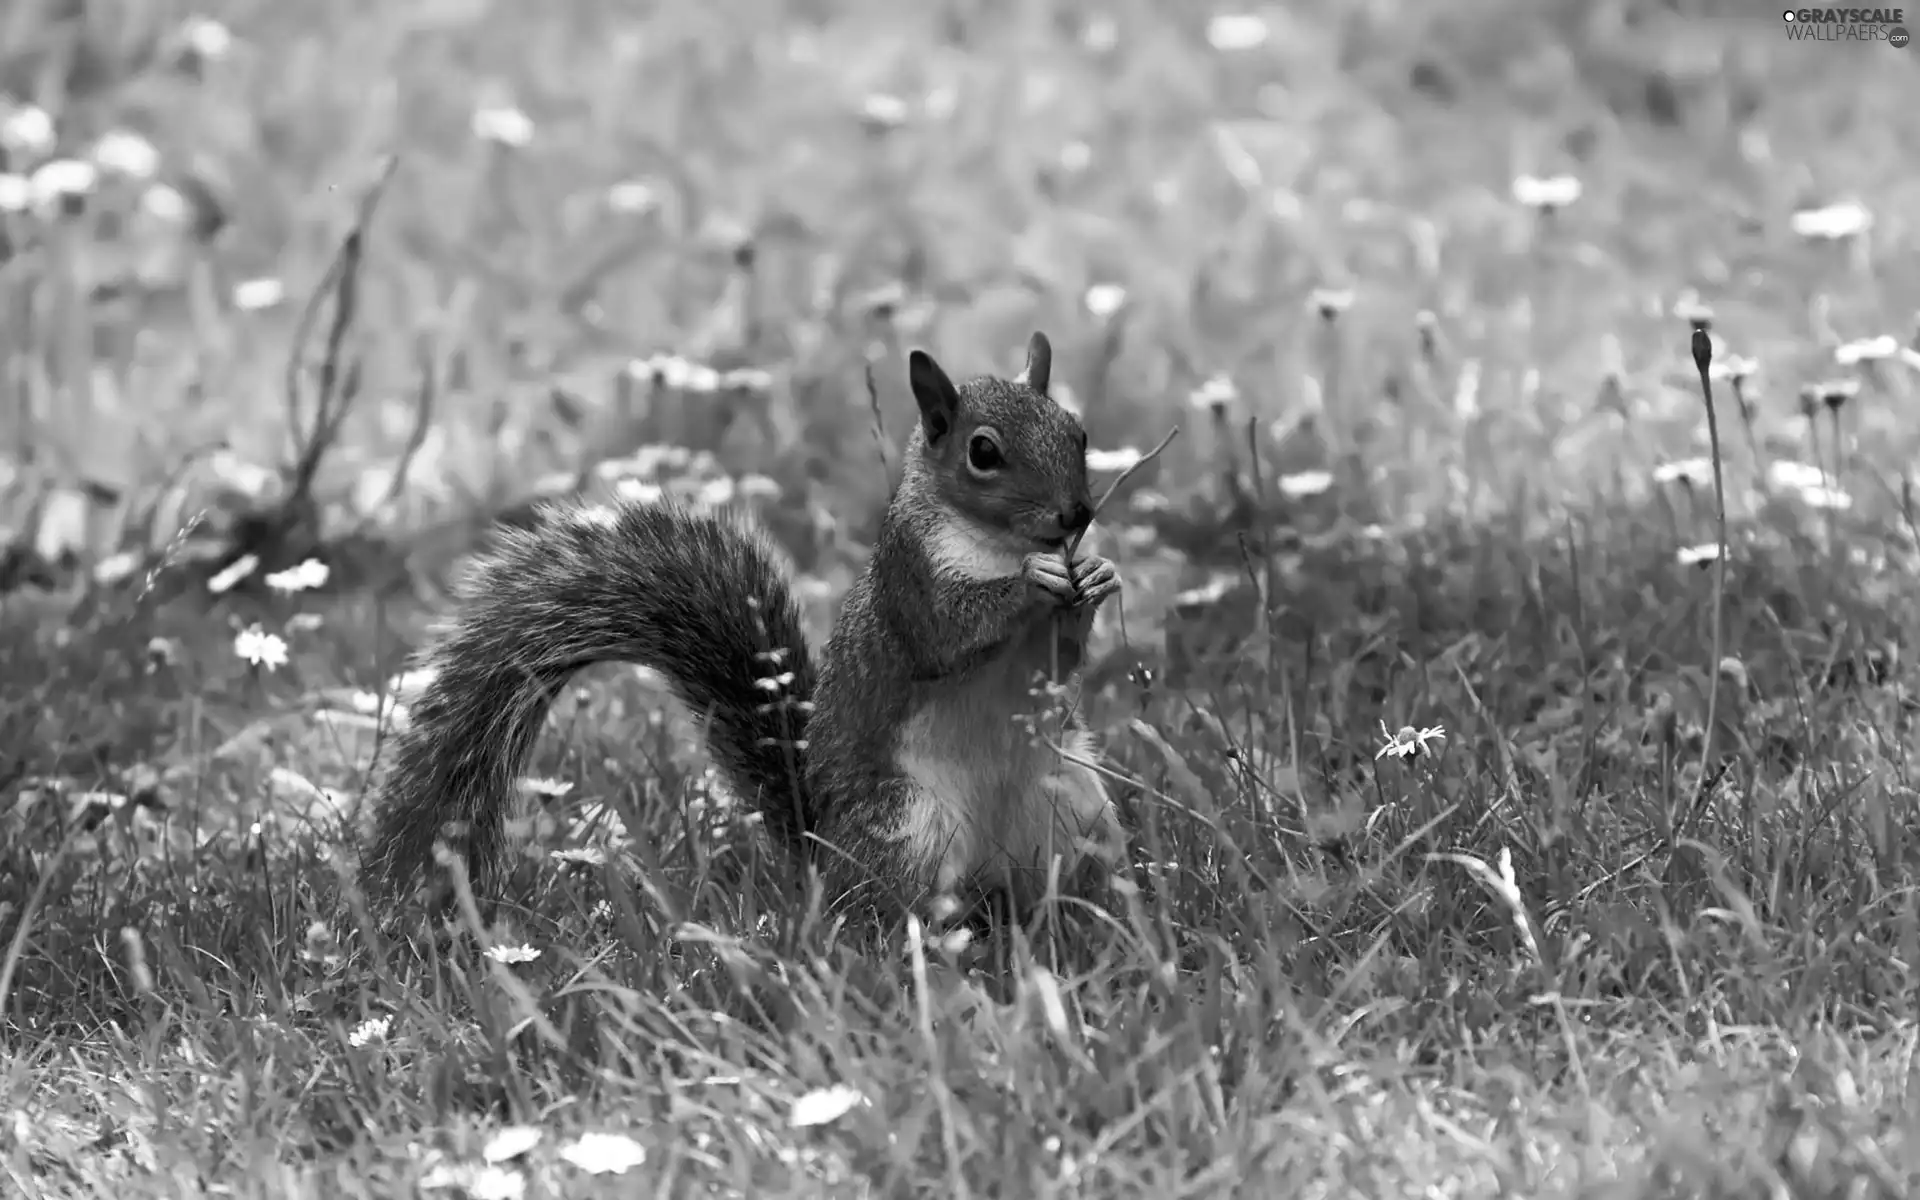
[587, 199]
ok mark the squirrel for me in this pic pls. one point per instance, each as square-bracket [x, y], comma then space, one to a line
[900, 764]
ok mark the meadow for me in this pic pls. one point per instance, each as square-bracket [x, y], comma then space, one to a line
[1511, 699]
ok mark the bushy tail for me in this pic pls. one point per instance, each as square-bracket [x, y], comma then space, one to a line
[701, 599]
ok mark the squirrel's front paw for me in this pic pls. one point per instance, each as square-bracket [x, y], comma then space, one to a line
[1048, 572]
[1097, 580]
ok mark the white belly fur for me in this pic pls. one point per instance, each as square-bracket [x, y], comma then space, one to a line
[991, 799]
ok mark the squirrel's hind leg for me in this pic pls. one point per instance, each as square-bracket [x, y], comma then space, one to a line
[923, 852]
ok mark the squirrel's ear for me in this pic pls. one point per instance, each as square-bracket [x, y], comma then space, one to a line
[1039, 369]
[939, 401]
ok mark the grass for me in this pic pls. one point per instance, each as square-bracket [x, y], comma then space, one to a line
[1641, 922]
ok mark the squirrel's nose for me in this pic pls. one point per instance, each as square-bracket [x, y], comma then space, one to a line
[1076, 516]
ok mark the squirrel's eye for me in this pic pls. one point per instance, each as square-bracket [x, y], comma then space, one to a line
[983, 454]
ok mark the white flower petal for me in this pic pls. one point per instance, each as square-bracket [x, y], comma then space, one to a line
[307, 576]
[1553, 191]
[512, 955]
[27, 130]
[166, 204]
[496, 1183]
[374, 1029]
[1832, 222]
[233, 573]
[1113, 460]
[1104, 299]
[1686, 470]
[502, 125]
[16, 193]
[510, 1143]
[207, 37]
[1826, 497]
[60, 179]
[1873, 349]
[824, 1106]
[604, 1153]
[1305, 483]
[261, 648]
[632, 196]
[1237, 31]
[125, 153]
[257, 295]
[1216, 393]
[884, 111]
[1794, 476]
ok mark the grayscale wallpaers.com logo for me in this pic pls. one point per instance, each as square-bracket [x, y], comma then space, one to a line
[1848, 25]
